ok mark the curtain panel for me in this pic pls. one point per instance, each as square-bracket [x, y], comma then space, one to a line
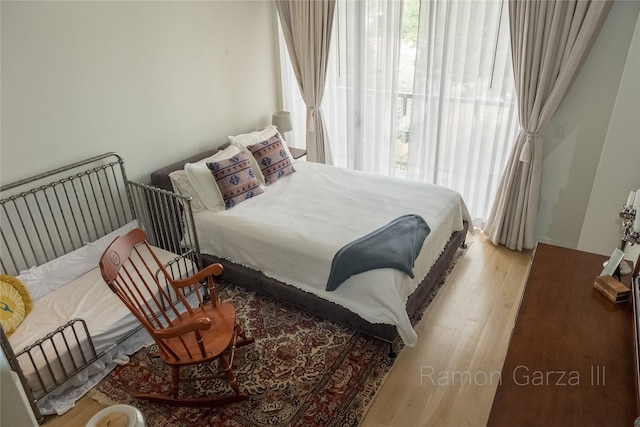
[550, 41]
[307, 27]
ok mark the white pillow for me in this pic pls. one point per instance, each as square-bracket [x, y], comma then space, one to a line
[202, 180]
[48, 277]
[182, 186]
[244, 140]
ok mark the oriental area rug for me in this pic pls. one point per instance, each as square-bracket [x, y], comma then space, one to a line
[301, 371]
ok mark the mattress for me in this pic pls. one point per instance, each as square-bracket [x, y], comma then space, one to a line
[292, 231]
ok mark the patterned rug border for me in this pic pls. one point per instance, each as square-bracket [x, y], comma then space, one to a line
[350, 411]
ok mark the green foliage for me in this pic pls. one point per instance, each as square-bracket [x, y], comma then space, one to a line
[410, 21]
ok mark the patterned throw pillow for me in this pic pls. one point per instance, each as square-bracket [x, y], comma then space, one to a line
[236, 179]
[273, 159]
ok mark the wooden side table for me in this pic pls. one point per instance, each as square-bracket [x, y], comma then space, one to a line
[571, 357]
[297, 152]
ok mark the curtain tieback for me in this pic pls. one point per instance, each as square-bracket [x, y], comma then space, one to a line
[525, 133]
[311, 118]
[525, 154]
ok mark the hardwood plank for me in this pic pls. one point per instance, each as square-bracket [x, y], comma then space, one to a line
[465, 329]
[76, 417]
[449, 378]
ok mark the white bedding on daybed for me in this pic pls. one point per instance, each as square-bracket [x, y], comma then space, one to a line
[108, 320]
[292, 231]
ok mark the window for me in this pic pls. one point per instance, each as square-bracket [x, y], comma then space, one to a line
[421, 90]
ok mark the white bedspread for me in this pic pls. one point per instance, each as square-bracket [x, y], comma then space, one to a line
[292, 231]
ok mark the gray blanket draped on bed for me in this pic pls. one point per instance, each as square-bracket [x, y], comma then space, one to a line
[394, 245]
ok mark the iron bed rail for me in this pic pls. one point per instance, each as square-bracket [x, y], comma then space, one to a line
[57, 212]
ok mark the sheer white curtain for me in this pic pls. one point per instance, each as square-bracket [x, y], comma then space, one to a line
[422, 90]
[362, 85]
[464, 114]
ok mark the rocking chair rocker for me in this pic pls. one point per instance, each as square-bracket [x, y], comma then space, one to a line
[200, 333]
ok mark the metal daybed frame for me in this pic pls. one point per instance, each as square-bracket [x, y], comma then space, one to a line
[54, 213]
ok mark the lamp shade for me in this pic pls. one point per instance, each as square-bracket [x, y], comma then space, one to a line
[282, 120]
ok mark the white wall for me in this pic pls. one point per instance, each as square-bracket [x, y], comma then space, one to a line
[570, 163]
[152, 81]
[619, 168]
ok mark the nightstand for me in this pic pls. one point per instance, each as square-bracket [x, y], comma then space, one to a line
[297, 152]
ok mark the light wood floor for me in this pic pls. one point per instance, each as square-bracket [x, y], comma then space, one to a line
[450, 377]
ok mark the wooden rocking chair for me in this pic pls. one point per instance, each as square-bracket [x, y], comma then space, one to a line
[186, 334]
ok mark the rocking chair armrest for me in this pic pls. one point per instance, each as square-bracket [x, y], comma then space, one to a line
[200, 323]
[210, 270]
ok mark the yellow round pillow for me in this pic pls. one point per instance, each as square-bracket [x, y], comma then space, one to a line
[15, 303]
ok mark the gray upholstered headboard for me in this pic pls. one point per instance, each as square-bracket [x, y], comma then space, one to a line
[160, 177]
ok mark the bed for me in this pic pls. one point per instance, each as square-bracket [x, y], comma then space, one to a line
[281, 242]
[55, 226]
